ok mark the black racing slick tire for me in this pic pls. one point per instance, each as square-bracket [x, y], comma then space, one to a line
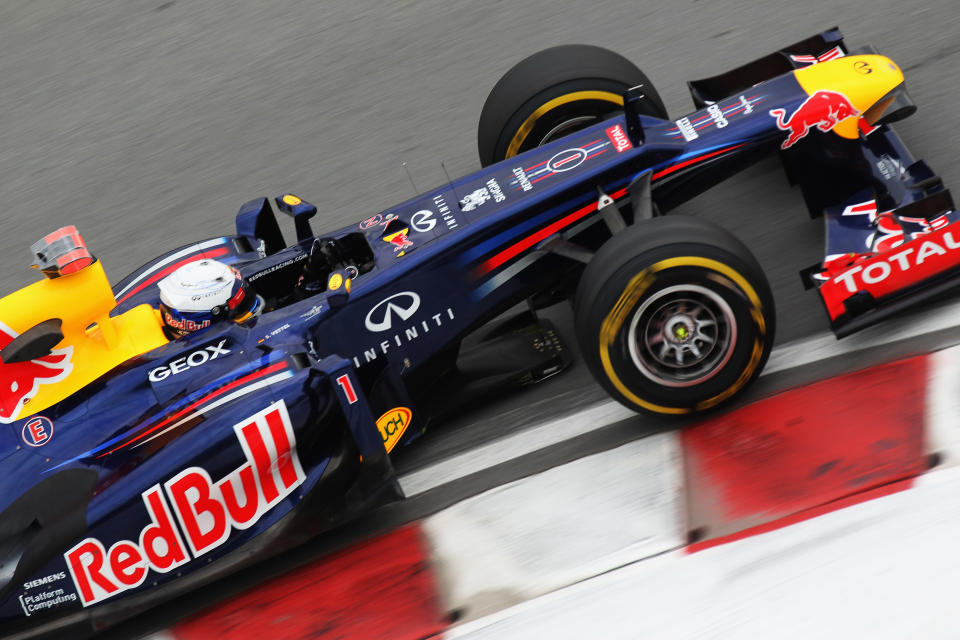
[556, 92]
[674, 316]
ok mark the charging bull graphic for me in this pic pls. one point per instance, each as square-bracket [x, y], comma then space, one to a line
[20, 381]
[823, 110]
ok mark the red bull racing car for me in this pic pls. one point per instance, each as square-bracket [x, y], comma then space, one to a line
[139, 464]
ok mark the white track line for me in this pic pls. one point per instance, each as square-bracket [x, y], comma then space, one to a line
[788, 356]
[514, 446]
[825, 345]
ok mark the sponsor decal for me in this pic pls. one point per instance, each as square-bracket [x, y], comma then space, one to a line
[689, 133]
[37, 431]
[890, 168]
[823, 110]
[522, 178]
[494, 187]
[717, 114]
[291, 200]
[378, 220]
[567, 160]
[619, 138]
[20, 381]
[890, 232]
[402, 305]
[48, 598]
[389, 315]
[474, 199]
[903, 261]
[45, 580]
[45, 600]
[445, 213]
[423, 221]
[184, 324]
[313, 312]
[399, 240]
[206, 511]
[194, 359]
[335, 282]
[861, 66]
[277, 267]
[392, 424]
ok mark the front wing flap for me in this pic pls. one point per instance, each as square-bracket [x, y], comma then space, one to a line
[910, 264]
[819, 48]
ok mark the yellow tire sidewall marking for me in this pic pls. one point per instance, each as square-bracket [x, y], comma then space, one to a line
[521, 135]
[631, 295]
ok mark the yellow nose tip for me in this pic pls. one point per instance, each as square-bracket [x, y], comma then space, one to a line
[863, 79]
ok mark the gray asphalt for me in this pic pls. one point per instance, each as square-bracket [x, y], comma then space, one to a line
[148, 122]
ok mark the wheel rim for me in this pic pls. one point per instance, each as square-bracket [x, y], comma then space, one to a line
[682, 335]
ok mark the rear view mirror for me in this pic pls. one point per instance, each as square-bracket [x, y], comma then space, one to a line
[35, 342]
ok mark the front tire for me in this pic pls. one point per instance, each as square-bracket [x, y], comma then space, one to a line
[554, 93]
[674, 316]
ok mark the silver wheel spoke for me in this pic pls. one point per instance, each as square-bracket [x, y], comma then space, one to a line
[664, 350]
[702, 337]
[682, 335]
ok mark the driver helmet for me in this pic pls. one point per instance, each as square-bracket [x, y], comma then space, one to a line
[203, 292]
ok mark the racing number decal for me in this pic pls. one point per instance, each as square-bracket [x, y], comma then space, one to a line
[347, 386]
[392, 424]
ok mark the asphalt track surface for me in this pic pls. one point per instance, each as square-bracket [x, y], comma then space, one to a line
[148, 122]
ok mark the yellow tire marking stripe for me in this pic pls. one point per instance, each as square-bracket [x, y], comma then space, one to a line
[521, 135]
[632, 293]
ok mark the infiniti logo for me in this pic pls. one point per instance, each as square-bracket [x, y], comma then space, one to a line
[403, 305]
[396, 315]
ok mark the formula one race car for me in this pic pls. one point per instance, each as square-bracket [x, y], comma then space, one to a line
[139, 464]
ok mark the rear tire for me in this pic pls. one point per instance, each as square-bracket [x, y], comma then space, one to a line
[556, 92]
[674, 316]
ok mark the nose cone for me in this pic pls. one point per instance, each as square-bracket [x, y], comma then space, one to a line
[863, 79]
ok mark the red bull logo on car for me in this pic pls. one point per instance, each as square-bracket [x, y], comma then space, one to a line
[20, 381]
[823, 110]
[206, 510]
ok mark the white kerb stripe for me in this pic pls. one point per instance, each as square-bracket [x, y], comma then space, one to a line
[514, 446]
[943, 406]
